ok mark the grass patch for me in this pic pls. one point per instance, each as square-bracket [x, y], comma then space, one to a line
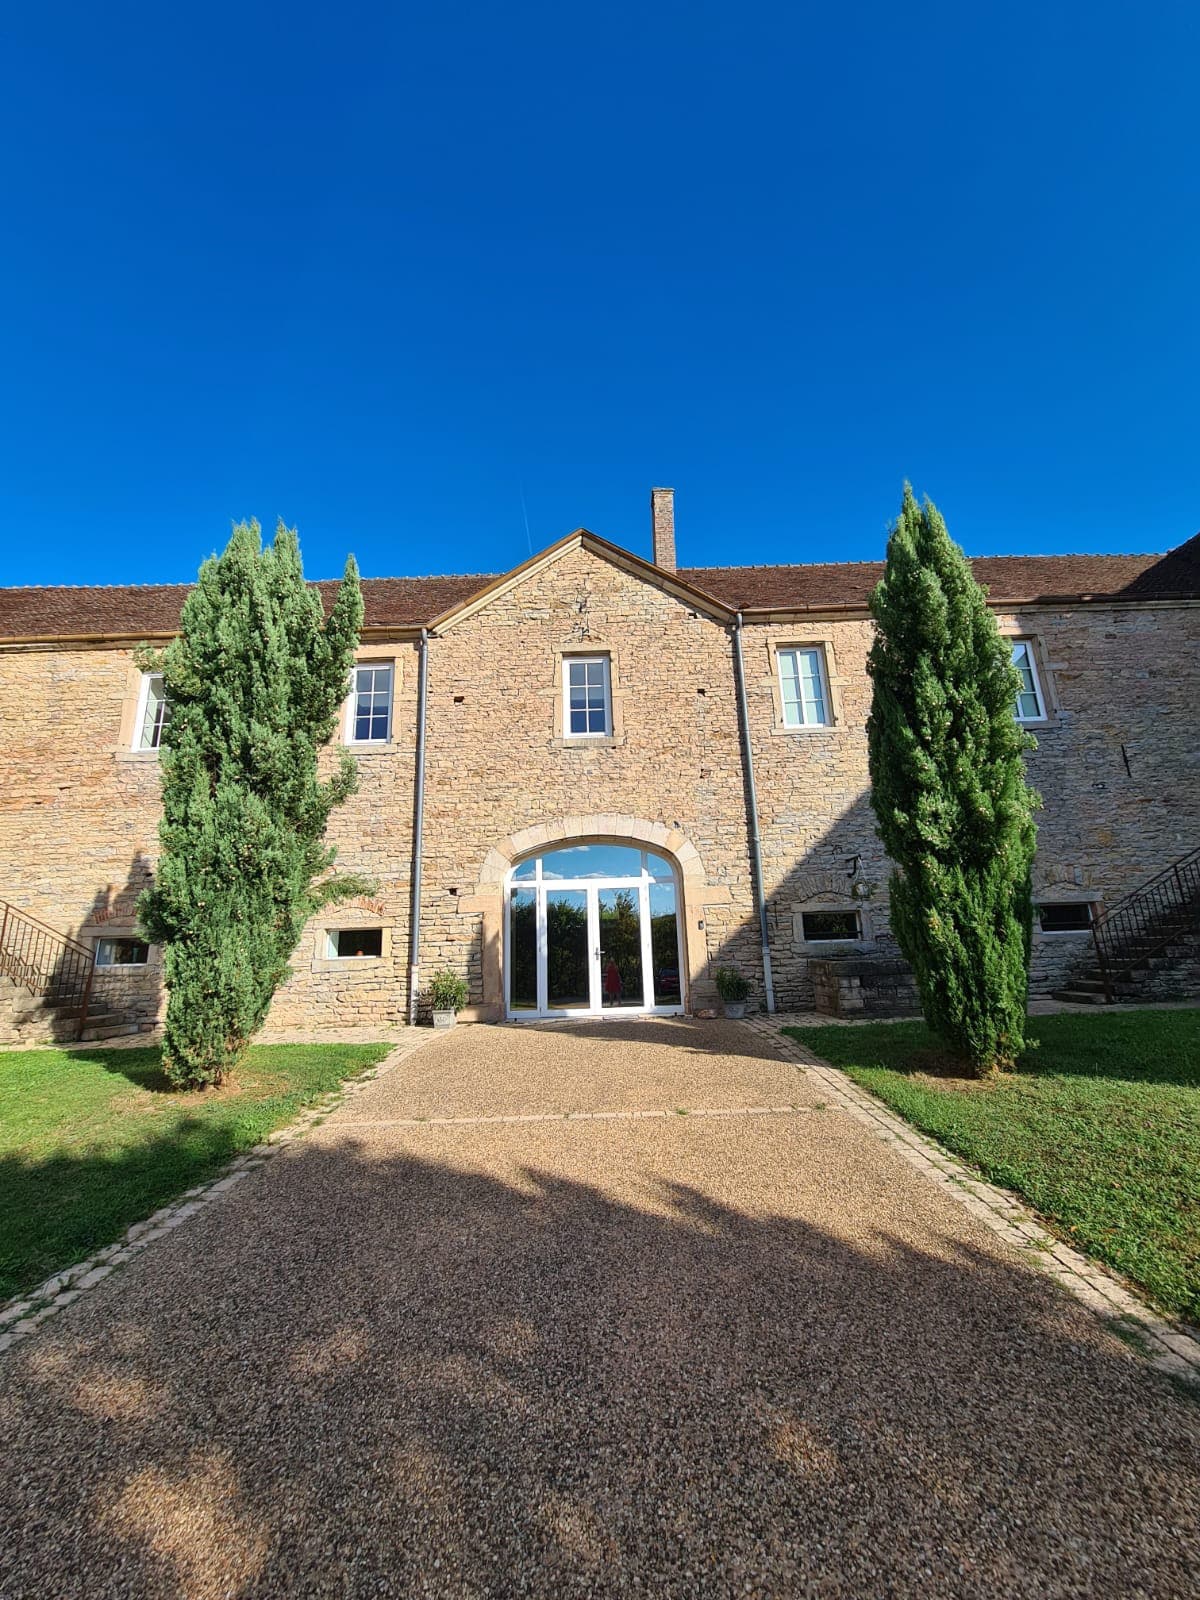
[93, 1141]
[1099, 1129]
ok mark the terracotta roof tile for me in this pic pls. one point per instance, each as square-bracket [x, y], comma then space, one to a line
[145, 610]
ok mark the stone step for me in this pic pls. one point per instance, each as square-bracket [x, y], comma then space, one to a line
[1081, 997]
[108, 1030]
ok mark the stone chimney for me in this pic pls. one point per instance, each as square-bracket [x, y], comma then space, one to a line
[662, 522]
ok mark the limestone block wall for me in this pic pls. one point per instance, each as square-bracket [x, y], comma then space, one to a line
[498, 765]
[1118, 763]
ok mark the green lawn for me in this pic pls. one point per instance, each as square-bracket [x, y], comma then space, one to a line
[92, 1141]
[1099, 1128]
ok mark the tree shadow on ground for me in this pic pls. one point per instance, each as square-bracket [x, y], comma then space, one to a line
[601, 1373]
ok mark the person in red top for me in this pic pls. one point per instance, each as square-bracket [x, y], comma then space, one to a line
[612, 982]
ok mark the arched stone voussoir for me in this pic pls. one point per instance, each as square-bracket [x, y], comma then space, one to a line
[619, 827]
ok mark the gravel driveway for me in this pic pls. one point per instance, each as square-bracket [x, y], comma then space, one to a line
[746, 1352]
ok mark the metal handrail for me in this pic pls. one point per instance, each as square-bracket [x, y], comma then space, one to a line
[1148, 920]
[51, 965]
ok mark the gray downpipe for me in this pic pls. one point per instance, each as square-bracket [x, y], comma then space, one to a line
[755, 846]
[414, 950]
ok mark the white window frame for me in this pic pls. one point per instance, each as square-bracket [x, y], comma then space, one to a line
[119, 938]
[332, 935]
[352, 701]
[802, 720]
[140, 719]
[1034, 677]
[605, 666]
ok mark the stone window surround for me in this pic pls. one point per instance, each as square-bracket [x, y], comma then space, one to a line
[866, 932]
[1081, 897]
[364, 656]
[1043, 671]
[814, 639]
[616, 697]
[120, 928]
[132, 704]
[338, 917]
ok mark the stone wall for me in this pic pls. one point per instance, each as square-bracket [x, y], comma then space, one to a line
[1117, 762]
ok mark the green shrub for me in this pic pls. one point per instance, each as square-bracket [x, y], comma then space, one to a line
[447, 991]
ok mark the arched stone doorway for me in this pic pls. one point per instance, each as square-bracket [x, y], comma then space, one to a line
[592, 928]
[623, 914]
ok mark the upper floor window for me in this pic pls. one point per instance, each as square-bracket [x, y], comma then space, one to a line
[804, 688]
[586, 697]
[153, 712]
[1030, 706]
[371, 703]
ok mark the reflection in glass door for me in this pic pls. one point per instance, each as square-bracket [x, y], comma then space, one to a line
[593, 928]
[619, 914]
[568, 968]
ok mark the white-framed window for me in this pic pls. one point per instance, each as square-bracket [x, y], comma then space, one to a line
[152, 713]
[830, 927]
[587, 698]
[350, 944]
[804, 687]
[369, 720]
[1030, 705]
[1064, 916]
[122, 952]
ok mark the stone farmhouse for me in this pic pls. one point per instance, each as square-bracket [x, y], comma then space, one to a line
[587, 783]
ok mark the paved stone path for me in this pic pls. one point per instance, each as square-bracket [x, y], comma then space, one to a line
[627, 1310]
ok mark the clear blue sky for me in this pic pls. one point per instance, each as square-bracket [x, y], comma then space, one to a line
[372, 268]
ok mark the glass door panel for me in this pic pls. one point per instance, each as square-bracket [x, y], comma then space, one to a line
[523, 949]
[568, 963]
[620, 926]
[664, 946]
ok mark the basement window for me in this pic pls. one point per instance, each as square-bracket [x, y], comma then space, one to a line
[122, 952]
[830, 927]
[1065, 916]
[350, 944]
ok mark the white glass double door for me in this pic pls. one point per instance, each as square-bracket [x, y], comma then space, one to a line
[601, 946]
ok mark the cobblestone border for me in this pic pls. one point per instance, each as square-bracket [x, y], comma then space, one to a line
[1165, 1347]
[21, 1315]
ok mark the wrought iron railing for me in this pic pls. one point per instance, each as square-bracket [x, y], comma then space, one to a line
[51, 966]
[1146, 922]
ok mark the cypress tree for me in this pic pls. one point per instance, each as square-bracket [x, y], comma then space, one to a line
[254, 681]
[949, 793]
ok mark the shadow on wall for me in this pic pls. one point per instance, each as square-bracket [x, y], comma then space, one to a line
[126, 993]
[589, 1392]
[838, 884]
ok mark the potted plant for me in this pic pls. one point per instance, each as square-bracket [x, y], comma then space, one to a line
[733, 989]
[447, 992]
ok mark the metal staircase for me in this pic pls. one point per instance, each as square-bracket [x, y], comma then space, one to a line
[54, 968]
[1142, 944]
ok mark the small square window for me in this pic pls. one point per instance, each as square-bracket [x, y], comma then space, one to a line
[122, 952]
[349, 944]
[371, 703]
[827, 927]
[1065, 916]
[586, 698]
[804, 688]
[1029, 706]
[153, 712]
